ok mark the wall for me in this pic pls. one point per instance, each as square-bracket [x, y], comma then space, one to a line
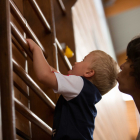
[123, 27]
[120, 6]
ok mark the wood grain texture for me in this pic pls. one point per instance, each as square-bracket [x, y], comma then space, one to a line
[47, 40]
[64, 30]
[7, 113]
[19, 55]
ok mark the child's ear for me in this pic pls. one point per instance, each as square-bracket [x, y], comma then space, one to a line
[89, 73]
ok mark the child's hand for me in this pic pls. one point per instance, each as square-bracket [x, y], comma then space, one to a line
[32, 44]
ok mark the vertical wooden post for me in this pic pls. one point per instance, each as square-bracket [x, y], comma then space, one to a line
[6, 77]
[47, 39]
[64, 29]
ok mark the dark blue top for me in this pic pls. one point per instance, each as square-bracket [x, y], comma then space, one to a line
[74, 119]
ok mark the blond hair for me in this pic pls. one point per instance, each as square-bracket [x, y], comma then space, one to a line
[106, 70]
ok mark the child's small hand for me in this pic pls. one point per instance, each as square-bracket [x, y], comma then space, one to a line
[32, 44]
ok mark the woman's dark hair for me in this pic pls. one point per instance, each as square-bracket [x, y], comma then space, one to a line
[133, 53]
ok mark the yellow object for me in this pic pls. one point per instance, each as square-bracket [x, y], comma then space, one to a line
[68, 52]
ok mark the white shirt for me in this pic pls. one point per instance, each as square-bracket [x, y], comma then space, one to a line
[69, 85]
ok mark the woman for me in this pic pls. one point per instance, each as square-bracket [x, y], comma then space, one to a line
[129, 77]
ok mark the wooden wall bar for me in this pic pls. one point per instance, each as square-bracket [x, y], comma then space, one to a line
[24, 24]
[64, 30]
[32, 117]
[16, 33]
[40, 15]
[64, 57]
[28, 80]
[62, 7]
[47, 40]
[20, 88]
[7, 111]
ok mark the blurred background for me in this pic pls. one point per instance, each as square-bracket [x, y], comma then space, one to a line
[109, 25]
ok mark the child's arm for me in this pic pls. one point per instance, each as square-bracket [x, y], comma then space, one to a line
[41, 67]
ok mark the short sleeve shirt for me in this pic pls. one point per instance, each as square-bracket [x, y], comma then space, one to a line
[69, 86]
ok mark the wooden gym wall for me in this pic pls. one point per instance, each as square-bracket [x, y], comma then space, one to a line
[26, 104]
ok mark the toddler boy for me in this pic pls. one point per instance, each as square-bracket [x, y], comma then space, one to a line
[88, 80]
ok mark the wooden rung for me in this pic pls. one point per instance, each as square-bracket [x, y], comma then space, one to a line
[15, 11]
[21, 90]
[64, 57]
[16, 33]
[30, 82]
[22, 135]
[56, 57]
[62, 7]
[40, 14]
[32, 117]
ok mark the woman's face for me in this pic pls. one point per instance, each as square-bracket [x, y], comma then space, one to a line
[126, 81]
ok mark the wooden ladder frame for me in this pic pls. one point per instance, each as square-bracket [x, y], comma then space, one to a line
[7, 65]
